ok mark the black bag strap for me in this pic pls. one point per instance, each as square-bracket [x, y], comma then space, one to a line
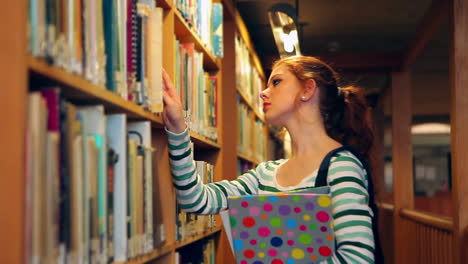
[321, 180]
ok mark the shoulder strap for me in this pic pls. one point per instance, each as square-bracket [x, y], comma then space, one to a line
[323, 169]
[321, 180]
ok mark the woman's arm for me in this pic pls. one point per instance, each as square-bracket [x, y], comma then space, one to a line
[351, 212]
[192, 194]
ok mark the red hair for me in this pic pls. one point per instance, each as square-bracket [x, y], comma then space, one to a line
[344, 110]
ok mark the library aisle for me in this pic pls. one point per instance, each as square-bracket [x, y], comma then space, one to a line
[85, 174]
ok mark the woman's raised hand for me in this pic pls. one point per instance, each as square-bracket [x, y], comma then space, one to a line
[173, 114]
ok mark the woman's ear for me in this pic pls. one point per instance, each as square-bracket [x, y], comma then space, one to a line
[310, 89]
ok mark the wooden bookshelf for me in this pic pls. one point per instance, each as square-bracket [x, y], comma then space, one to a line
[247, 158]
[190, 240]
[78, 89]
[156, 253]
[185, 33]
[249, 104]
[23, 72]
[203, 142]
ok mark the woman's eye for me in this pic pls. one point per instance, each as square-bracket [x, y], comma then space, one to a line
[276, 82]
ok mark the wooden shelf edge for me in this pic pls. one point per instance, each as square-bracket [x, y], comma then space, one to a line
[203, 142]
[210, 62]
[190, 240]
[247, 158]
[156, 253]
[166, 4]
[85, 89]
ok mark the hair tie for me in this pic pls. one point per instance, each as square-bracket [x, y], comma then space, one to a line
[339, 91]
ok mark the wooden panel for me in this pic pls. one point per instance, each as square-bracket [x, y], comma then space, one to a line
[402, 156]
[431, 22]
[163, 189]
[229, 125]
[12, 131]
[377, 156]
[459, 119]
[429, 238]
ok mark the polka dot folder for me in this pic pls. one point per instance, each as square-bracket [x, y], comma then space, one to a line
[282, 228]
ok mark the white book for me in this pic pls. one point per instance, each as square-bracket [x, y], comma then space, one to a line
[51, 200]
[94, 125]
[117, 139]
[143, 128]
[155, 51]
[37, 118]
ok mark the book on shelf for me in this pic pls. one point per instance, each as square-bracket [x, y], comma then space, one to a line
[81, 164]
[114, 44]
[190, 224]
[206, 19]
[197, 90]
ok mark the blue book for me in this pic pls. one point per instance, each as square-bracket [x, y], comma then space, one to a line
[217, 30]
[117, 142]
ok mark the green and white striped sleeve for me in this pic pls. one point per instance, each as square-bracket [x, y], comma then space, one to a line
[194, 196]
[351, 213]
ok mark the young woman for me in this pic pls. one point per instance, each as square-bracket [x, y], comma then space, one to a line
[303, 96]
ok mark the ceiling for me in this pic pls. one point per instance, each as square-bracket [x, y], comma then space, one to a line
[334, 28]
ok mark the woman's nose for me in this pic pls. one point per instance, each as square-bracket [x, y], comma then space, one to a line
[263, 94]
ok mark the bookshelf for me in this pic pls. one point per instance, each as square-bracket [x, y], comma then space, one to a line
[20, 71]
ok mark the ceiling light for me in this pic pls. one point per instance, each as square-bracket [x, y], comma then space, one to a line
[430, 128]
[283, 20]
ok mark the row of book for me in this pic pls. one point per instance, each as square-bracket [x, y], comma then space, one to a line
[200, 252]
[115, 44]
[251, 134]
[206, 18]
[89, 183]
[248, 80]
[190, 224]
[197, 90]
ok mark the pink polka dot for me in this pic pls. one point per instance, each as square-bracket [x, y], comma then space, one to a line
[272, 252]
[284, 254]
[234, 233]
[233, 211]
[297, 209]
[253, 242]
[254, 211]
[244, 262]
[303, 227]
[322, 216]
[291, 242]
[310, 250]
[244, 204]
[290, 233]
[267, 207]
[264, 231]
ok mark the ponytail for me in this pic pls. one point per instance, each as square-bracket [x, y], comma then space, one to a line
[347, 119]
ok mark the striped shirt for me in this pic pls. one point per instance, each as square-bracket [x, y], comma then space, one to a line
[346, 177]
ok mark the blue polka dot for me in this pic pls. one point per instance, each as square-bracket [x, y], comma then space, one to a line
[291, 223]
[290, 261]
[273, 198]
[258, 262]
[238, 244]
[276, 242]
[248, 196]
